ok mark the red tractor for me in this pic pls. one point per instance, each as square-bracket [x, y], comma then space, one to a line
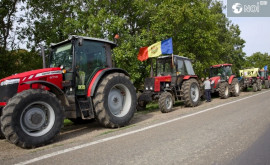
[265, 78]
[174, 80]
[225, 83]
[79, 84]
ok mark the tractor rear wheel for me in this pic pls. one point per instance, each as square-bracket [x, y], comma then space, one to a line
[255, 87]
[32, 118]
[165, 102]
[266, 84]
[191, 92]
[224, 90]
[259, 83]
[115, 100]
[235, 87]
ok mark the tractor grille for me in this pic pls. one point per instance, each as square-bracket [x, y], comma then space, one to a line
[149, 83]
[8, 91]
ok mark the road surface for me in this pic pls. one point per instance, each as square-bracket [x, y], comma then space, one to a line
[236, 131]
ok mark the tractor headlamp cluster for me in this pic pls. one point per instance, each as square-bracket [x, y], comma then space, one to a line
[149, 88]
[8, 82]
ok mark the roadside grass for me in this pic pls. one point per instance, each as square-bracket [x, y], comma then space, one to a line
[67, 122]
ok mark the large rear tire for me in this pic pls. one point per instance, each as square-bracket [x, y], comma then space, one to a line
[115, 101]
[266, 84]
[224, 90]
[32, 118]
[165, 102]
[235, 87]
[259, 83]
[191, 92]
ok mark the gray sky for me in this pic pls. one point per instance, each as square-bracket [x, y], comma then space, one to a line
[255, 31]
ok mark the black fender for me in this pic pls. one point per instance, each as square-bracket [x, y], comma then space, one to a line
[53, 88]
[98, 77]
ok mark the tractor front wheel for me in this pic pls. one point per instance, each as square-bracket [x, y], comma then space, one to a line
[259, 83]
[266, 84]
[141, 105]
[165, 102]
[191, 92]
[115, 101]
[224, 90]
[235, 87]
[32, 118]
[255, 87]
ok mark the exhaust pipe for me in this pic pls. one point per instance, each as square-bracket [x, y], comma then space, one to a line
[43, 56]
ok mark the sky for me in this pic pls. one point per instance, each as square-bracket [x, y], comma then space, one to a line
[255, 31]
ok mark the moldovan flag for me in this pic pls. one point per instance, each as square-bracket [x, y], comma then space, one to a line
[155, 50]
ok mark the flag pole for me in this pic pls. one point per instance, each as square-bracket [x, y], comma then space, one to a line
[151, 72]
[172, 60]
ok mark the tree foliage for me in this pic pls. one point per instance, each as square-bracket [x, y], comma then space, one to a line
[199, 28]
[258, 60]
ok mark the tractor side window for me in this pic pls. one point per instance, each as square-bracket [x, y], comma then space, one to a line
[180, 67]
[189, 68]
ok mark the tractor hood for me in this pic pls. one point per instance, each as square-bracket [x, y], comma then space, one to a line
[31, 75]
[216, 80]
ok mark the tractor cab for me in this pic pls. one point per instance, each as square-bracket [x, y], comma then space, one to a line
[80, 58]
[224, 71]
[173, 66]
[263, 74]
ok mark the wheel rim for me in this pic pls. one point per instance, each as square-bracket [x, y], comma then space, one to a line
[168, 102]
[236, 87]
[37, 119]
[226, 91]
[194, 92]
[119, 100]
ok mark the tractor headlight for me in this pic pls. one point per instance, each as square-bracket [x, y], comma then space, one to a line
[167, 85]
[146, 88]
[8, 82]
[151, 88]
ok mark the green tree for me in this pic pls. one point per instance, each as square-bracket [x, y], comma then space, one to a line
[200, 30]
[258, 60]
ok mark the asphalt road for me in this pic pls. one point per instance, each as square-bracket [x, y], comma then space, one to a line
[235, 132]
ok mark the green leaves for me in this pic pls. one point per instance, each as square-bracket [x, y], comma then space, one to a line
[199, 29]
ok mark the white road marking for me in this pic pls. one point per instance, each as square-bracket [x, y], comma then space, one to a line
[129, 133]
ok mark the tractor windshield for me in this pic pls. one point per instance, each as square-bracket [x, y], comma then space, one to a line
[62, 55]
[221, 71]
[165, 67]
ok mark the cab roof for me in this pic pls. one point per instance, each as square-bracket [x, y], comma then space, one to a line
[174, 56]
[220, 65]
[85, 38]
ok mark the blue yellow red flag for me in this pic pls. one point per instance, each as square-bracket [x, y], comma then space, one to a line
[155, 50]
